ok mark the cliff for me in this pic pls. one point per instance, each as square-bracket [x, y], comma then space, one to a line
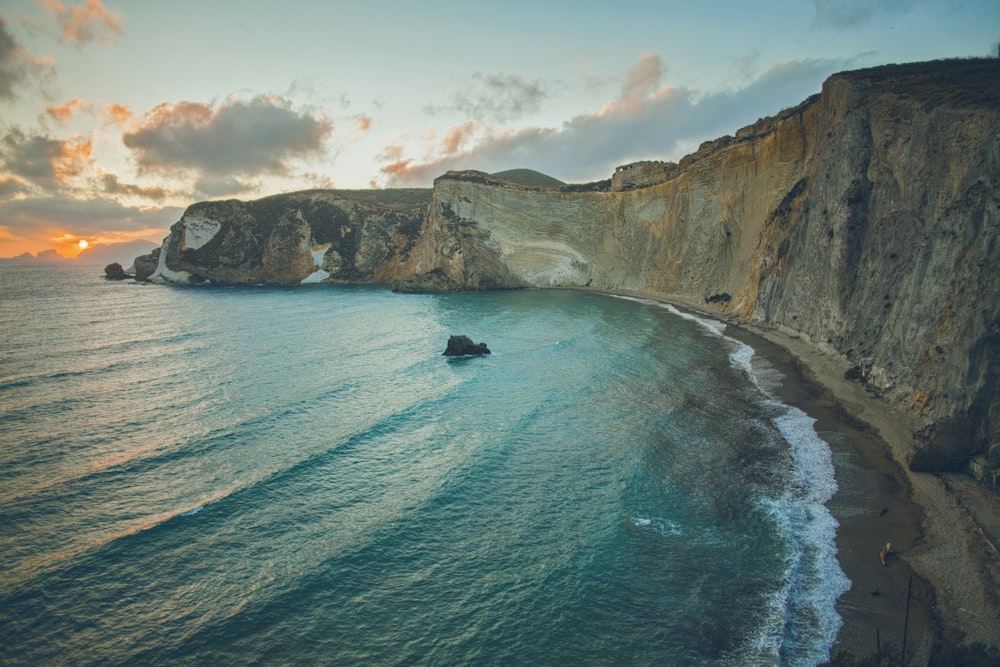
[864, 220]
[311, 236]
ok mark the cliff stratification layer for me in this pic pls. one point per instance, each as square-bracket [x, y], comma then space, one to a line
[865, 220]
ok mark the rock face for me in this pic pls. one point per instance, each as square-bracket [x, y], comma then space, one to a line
[311, 236]
[145, 265]
[866, 221]
[462, 346]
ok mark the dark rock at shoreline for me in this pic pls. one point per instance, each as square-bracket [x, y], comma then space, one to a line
[462, 346]
[431, 282]
[145, 265]
[114, 271]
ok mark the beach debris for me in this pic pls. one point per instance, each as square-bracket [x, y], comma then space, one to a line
[884, 554]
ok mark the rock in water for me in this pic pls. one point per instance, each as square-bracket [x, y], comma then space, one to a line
[115, 271]
[460, 346]
[145, 265]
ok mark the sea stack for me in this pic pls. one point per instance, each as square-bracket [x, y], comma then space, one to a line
[462, 346]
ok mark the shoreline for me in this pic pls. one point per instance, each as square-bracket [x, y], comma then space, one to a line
[945, 559]
[873, 505]
[951, 547]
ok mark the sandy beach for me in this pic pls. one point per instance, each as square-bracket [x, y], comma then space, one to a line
[943, 528]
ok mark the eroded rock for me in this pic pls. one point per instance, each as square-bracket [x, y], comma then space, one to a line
[114, 271]
[462, 346]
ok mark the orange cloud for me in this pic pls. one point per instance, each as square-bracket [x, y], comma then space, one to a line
[398, 167]
[457, 135]
[72, 159]
[391, 152]
[118, 113]
[64, 111]
[178, 114]
[362, 123]
[86, 22]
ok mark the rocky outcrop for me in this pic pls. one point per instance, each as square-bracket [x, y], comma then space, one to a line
[462, 346]
[114, 271]
[327, 236]
[145, 265]
[866, 220]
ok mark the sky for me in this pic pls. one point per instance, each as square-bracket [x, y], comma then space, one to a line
[115, 115]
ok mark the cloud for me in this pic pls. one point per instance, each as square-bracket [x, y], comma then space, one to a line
[63, 111]
[119, 114]
[845, 14]
[17, 66]
[110, 184]
[455, 137]
[221, 185]
[48, 163]
[87, 22]
[37, 217]
[10, 187]
[10, 68]
[362, 123]
[642, 79]
[497, 97]
[647, 121]
[239, 138]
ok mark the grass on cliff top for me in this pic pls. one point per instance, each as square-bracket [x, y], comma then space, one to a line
[965, 82]
[389, 197]
[528, 177]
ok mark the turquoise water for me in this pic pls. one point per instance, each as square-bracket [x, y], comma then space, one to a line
[297, 476]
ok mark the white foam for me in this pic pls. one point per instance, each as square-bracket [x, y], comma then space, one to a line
[814, 580]
[813, 459]
[742, 358]
[710, 325]
[659, 525]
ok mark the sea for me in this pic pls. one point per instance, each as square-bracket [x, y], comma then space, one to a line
[209, 475]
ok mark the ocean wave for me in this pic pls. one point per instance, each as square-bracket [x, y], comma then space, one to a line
[659, 525]
[801, 622]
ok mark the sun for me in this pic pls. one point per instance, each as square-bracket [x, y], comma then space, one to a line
[83, 243]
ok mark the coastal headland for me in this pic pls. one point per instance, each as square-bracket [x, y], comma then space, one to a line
[858, 233]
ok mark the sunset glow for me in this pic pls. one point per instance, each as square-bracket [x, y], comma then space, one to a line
[94, 142]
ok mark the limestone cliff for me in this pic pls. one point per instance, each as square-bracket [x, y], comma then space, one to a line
[866, 220]
[310, 236]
